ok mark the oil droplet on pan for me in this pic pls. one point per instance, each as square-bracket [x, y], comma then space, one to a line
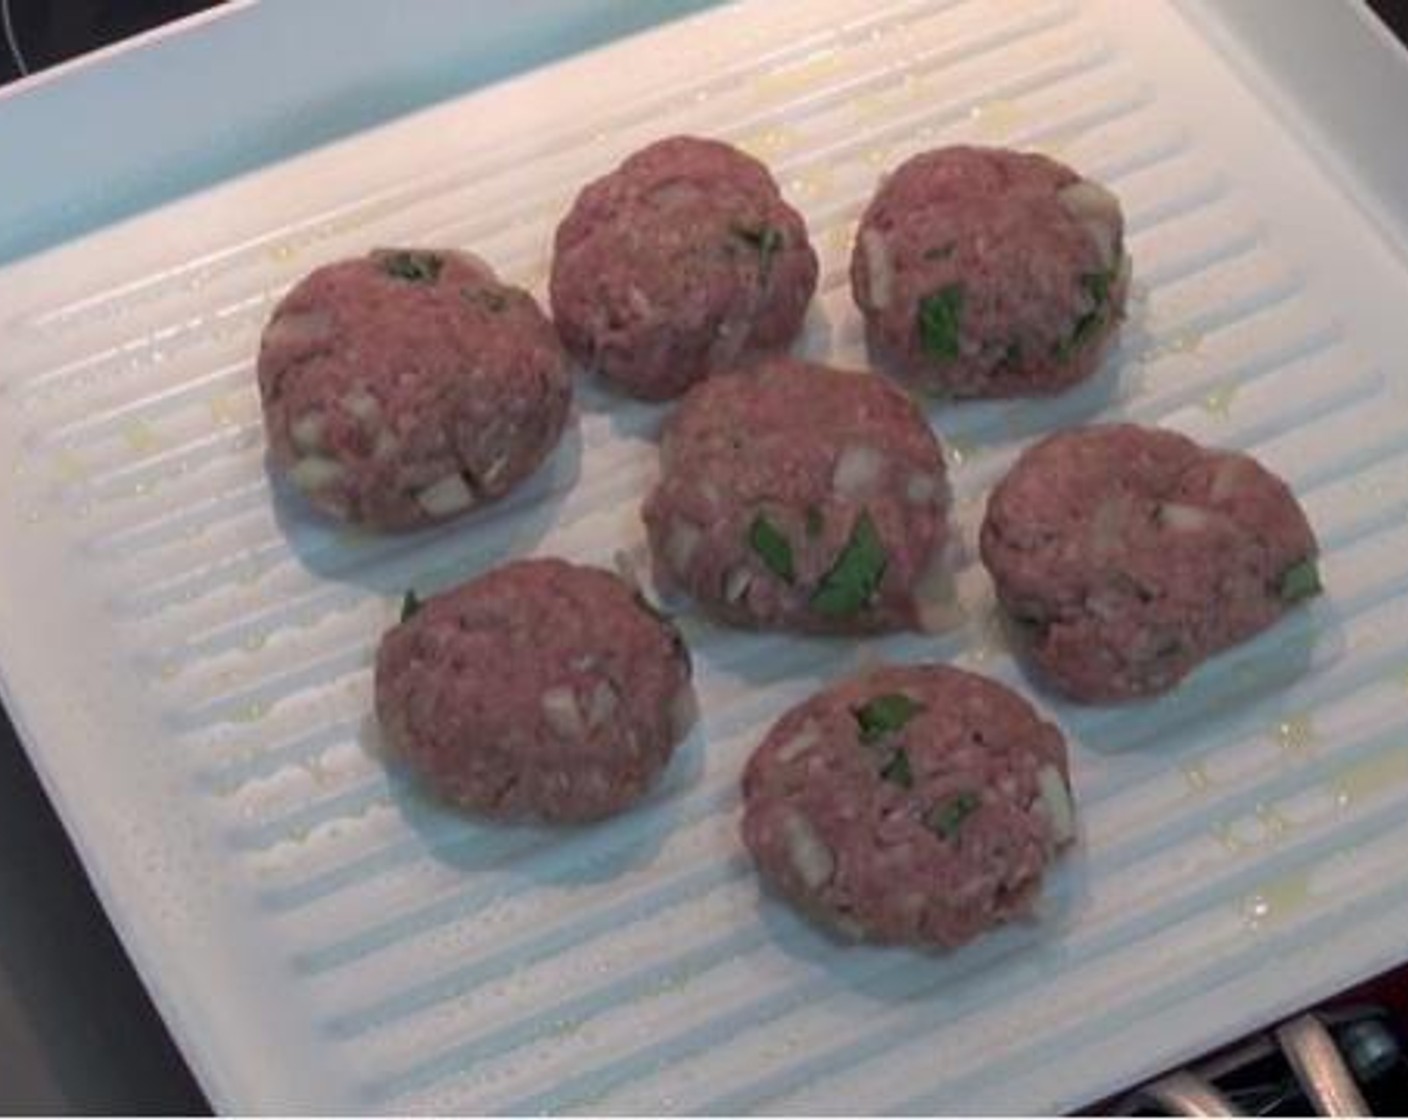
[1225, 836]
[1275, 824]
[140, 438]
[996, 119]
[1219, 401]
[1362, 780]
[798, 76]
[1295, 734]
[1276, 900]
[765, 143]
[252, 712]
[960, 451]
[1196, 777]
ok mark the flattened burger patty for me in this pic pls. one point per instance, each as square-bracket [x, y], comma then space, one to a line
[409, 386]
[917, 804]
[541, 689]
[1128, 555]
[983, 272]
[800, 497]
[680, 263]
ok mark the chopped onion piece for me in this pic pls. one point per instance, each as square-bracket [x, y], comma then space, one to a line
[858, 469]
[1231, 475]
[307, 431]
[314, 472]
[813, 860]
[684, 538]
[299, 329]
[800, 743]
[1055, 801]
[386, 444]
[448, 496]
[362, 405]
[602, 705]
[922, 488]
[936, 602]
[1183, 519]
[737, 584]
[494, 471]
[562, 713]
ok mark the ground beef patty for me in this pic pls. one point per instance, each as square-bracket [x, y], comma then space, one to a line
[409, 386]
[801, 497]
[1127, 555]
[990, 273]
[541, 689]
[679, 263]
[917, 804]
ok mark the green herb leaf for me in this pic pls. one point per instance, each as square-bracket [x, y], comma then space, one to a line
[947, 818]
[940, 252]
[1300, 581]
[897, 770]
[410, 606]
[938, 322]
[487, 298]
[885, 713]
[768, 240]
[768, 541]
[855, 576]
[412, 265]
[1097, 287]
[815, 521]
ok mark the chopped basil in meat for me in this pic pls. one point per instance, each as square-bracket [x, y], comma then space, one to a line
[855, 577]
[410, 605]
[815, 521]
[1030, 621]
[938, 322]
[772, 547]
[487, 298]
[940, 252]
[1097, 287]
[948, 816]
[413, 266]
[885, 713]
[1300, 581]
[766, 239]
[897, 770]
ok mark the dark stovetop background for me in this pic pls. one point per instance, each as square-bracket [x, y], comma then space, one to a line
[78, 1033]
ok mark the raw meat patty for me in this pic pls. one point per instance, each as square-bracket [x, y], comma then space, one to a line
[801, 497]
[408, 386]
[990, 273]
[1127, 555]
[540, 689]
[680, 263]
[917, 804]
